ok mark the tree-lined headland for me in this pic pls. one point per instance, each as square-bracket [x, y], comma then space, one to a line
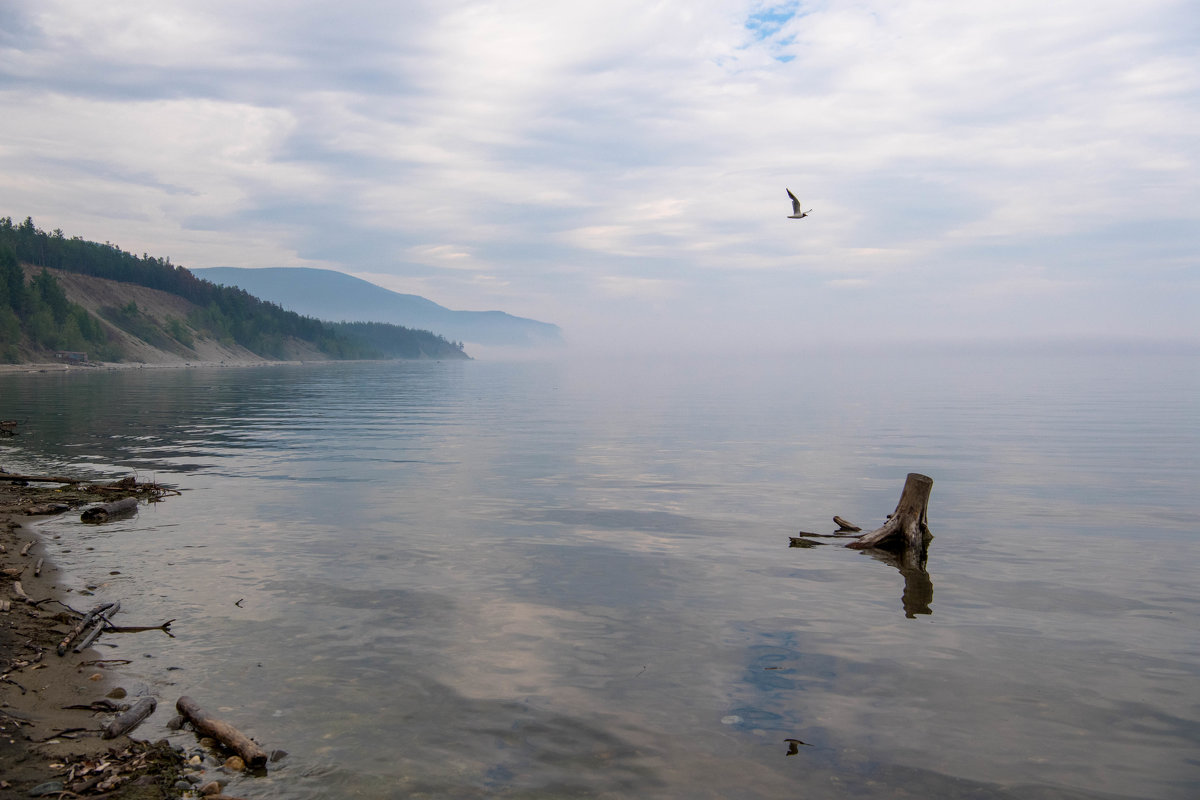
[67, 298]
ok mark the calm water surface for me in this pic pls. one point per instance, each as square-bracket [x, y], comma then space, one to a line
[549, 580]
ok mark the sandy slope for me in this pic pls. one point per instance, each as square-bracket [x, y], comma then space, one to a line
[95, 294]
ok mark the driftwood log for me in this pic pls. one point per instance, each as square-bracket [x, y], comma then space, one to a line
[19, 591]
[130, 719]
[81, 626]
[100, 622]
[223, 732]
[909, 520]
[12, 476]
[106, 511]
[45, 509]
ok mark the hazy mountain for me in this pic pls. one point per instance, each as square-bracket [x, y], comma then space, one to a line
[335, 296]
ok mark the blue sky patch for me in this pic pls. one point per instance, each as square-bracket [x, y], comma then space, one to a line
[769, 21]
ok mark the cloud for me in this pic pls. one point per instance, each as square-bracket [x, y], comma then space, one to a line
[521, 154]
[848, 283]
[633, 287]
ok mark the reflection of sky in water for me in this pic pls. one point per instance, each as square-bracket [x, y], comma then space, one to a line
[489, 579]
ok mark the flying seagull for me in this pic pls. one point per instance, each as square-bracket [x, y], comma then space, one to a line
[797, 213]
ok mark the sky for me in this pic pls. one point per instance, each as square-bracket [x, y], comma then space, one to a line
[987, 171]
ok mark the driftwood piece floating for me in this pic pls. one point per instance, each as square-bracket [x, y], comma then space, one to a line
[226, 734]
[106, 511]
[101, 622]
[130, 719]
[165, 628]
[803, 540]
[846, 526]
[908, 520]
[80, 626]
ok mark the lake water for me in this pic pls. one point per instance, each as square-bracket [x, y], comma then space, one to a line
[465, 580]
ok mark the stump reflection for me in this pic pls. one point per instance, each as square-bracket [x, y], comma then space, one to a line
[917, 597]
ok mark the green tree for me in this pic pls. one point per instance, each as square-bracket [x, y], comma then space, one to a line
[70, 337]
[52, 295]
[179, 332]
[42, 330]
[12, 280]
[10, 326]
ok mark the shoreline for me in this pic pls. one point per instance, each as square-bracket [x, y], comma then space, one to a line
[44, 368]
[44, 746]
[114, 366]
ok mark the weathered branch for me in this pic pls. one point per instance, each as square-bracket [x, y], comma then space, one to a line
[102, 620]
[226, 734]
[165, 628]
[80, 626]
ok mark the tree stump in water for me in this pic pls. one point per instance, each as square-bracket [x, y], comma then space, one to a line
[908, 520]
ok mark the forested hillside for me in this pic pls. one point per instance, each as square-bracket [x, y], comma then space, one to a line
[36, 314]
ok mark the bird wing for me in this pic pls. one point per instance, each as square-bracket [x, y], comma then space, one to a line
[795, 202]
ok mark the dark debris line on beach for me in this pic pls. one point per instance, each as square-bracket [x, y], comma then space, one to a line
[23, 498]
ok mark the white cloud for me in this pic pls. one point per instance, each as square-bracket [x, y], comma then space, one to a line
[848, 283]
[633, 287]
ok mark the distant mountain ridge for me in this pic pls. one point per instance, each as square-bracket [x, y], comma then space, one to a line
[337, 297]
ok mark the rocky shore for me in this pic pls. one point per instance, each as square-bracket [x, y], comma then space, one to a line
[53, 709]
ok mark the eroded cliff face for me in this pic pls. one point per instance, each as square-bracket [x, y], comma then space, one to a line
[160, 313]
